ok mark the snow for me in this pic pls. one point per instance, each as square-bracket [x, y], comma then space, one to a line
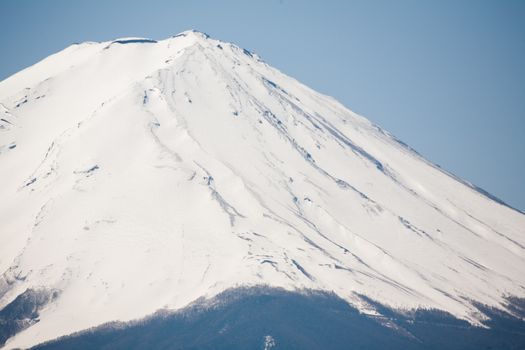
[146, 176]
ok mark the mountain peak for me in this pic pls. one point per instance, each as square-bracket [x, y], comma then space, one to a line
[154, 174]
[193, 32]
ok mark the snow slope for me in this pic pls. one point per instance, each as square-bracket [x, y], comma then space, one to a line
[139, 175]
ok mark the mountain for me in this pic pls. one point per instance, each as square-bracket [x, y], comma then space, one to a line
[142, 178]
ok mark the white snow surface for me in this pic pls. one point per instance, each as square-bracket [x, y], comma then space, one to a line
[145, 175]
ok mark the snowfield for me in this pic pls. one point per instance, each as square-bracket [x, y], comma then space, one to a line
[138, 175]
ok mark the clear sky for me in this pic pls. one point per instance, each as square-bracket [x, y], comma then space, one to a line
[447, 77]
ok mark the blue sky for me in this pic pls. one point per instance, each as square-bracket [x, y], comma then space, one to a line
[446, 77]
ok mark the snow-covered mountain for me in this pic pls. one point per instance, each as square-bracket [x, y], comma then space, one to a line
[139, 175]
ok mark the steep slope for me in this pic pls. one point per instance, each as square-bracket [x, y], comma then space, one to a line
[139, 175]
